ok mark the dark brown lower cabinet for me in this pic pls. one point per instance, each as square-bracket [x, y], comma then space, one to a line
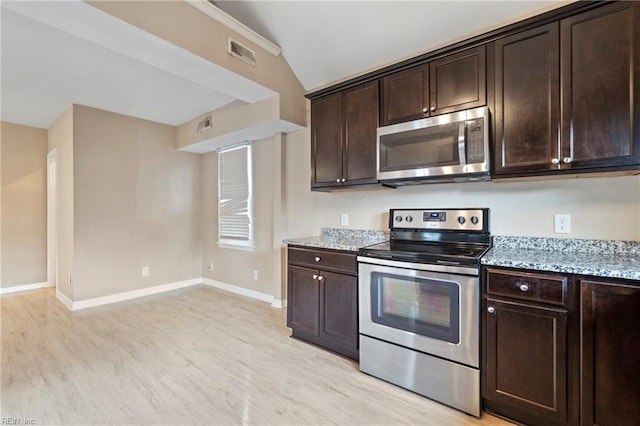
[323, 305]
[526, 361]
[610, 344]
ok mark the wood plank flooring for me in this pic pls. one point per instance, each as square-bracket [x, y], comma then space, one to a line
[191, 356]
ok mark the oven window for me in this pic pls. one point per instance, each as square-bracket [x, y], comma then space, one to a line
[419, 305]
[420, 148]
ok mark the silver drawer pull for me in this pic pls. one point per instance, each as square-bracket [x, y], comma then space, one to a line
[491, 309]
[524, 287]
[317, 259]
[315, 276]
[320, 278]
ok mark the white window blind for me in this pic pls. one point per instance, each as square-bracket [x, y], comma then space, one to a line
[235, 221]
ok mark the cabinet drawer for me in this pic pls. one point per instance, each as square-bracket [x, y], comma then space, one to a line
[545, 288]
[324, 259]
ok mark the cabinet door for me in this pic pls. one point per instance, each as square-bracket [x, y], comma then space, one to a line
[339, 316]
[610, 385]
[526, 358]
[601, 86]
[405, 95]
[360, 124]
[458, 81]
[326, 141]
[527, 110]
[303, 294]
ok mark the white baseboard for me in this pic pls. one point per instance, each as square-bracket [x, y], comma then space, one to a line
[133, 294]
[279, 303]
[276, 303]
[23, 287]
[64, 300]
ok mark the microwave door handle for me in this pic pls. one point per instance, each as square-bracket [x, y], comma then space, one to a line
[461, 144]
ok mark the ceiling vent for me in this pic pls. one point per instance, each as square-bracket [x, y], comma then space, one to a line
[241, 52]
[204, 125]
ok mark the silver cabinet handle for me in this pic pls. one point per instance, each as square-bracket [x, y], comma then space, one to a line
[338, 180]
[320, 278]
[425, 109]
[342, 180]
[315, 276]
[566, 160]
[491, 309]
[555, 161]
[433, 108]
[317, 259]
[524, 287]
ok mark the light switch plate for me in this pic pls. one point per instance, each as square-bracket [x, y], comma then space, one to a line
[344, 219]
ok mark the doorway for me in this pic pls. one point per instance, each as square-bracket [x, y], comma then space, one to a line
[52, 218]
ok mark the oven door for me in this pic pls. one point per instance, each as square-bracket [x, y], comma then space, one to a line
[432, 312]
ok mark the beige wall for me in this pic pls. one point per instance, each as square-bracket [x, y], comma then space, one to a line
[60, 137]
[600, 208]
[137, 203]
[235, 266]
[23, 203]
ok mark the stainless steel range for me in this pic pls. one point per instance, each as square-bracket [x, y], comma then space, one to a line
[419, 304]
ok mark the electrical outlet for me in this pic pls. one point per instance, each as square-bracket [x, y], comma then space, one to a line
[344, 219]
[145, 271]
[69, 278]
[210, 266]
[255, 274]
[562, 223]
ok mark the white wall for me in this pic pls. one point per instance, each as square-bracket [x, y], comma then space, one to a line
[60, 137]
[600, 208]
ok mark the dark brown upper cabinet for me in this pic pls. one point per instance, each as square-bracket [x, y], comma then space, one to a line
[452, 83]
[527, 110]
[600, 77]
[405, 95]
[343, 138]
[458, 81]
[591, 60]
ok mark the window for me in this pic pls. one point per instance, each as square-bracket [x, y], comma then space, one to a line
[235, 217]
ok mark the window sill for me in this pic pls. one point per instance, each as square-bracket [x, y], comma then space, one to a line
[236, 247]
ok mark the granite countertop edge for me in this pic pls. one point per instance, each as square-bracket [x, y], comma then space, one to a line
[341, 239]
[599, 258]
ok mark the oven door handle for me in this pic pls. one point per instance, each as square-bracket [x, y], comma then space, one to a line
[452, 269]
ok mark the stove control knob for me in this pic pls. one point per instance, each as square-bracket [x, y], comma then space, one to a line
[409, 219]
[398, 218]
[474, 220]
[461, 220]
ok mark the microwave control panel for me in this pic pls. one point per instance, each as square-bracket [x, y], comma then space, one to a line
[441, 219]
[475, 141]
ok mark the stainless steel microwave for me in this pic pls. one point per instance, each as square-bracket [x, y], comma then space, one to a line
[448, 147]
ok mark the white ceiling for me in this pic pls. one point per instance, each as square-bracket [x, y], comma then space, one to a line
[56, 53]
[327, 41]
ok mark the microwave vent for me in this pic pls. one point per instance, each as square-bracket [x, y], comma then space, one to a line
[241, 52]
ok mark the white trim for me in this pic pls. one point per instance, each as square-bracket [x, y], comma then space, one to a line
[279, 303]
[233, 24]
[64, 300]
[264, 297]
[23, 287]
[133, 294]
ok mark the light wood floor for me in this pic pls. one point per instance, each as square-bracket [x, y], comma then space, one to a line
[192, 356]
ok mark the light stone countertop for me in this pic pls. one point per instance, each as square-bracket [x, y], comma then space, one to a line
[341, 239]
[612, 259]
